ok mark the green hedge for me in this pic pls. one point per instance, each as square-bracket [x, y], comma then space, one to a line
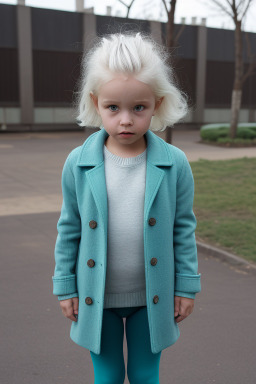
[214, 132]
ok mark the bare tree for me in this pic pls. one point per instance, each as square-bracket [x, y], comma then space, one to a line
[127, 6]
[171, 38]
[171, 42]
[237, 10]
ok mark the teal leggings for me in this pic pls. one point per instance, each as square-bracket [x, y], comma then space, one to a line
[142, 364]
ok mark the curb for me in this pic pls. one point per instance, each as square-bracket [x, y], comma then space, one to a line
[228, 257]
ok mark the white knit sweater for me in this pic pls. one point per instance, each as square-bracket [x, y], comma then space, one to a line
[125, 278]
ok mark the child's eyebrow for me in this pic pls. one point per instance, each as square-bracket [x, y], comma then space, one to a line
[109, 101]
[141, 101]
[116, 101]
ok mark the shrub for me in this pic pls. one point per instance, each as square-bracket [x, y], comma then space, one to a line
[213, 132]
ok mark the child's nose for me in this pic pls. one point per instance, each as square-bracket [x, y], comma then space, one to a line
[126, 118]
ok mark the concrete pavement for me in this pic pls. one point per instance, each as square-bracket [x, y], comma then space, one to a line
[217, 342]
[44, 154]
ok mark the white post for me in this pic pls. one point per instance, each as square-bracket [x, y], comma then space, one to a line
[79, 5]
[201, 73]
[109, 10]
[25, 64]
[193, 20]
[203, 21]
[89, 10]
[4, 126]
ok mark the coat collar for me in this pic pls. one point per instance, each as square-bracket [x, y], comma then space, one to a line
[92, 149]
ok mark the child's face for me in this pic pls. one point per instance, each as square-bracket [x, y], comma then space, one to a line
[125, 104]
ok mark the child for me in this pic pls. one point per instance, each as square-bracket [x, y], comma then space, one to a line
[126, 234]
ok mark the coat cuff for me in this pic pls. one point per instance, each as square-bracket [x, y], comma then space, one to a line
[187, 283]
[64, 285]
[65, 297]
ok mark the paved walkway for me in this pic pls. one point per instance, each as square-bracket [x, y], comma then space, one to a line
[30, 179]
[217, 343]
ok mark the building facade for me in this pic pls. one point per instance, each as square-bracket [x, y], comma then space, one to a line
[41, 52]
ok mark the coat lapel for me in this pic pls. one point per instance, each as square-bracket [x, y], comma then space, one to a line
[154, 177]
[97, 182]
[158, 154]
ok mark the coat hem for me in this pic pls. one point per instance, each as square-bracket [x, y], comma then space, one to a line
[154, 349]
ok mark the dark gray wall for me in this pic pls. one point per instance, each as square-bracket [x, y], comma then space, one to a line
[57, 43]
[56, 30]
[8, 26]
[221, 45]
[187, 44]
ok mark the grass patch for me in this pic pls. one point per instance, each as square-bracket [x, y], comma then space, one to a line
[225, 204]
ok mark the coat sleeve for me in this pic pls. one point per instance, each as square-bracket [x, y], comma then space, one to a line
[187, 279]
[68, 238]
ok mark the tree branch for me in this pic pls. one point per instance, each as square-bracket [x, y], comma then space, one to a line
[239, 5]
[230, 4]
[165, 6]
[224, 9]
[122, 2]
[127, 6]
[246, 8]
[235, 13]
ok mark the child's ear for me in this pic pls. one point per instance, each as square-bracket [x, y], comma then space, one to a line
[95, 101]
[157, 105]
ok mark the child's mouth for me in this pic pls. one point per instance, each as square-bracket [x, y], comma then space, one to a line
[126, 134]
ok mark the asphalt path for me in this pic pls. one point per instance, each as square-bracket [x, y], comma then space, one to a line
[217, 342]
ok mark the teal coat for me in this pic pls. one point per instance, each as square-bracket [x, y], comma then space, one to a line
[169, 198]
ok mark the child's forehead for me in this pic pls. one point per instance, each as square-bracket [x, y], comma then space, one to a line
[121, 77]
[126, 85]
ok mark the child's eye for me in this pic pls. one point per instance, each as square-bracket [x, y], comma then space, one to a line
[138, 108]
[113, 108]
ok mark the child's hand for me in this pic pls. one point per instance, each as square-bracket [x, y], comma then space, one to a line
[183, 306]
[70, 308]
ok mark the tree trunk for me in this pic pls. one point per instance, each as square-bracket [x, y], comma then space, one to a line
[170, 25]
[235, 108]
[168, 137]
[170, 45]
[237, 89]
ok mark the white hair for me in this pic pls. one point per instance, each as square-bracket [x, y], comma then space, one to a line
[132, 54]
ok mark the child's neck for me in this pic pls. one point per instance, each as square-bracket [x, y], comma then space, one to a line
[126, 150]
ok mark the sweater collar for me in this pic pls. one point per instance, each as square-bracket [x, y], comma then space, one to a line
[91, 153]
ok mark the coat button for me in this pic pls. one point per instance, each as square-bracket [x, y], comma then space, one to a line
[91, 263]
[93, 224]
[152, 221]
[88, 301]
[153, 261]
[155, 299]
